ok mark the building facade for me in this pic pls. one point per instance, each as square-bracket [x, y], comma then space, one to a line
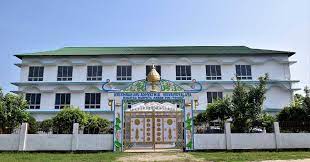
[75, 76]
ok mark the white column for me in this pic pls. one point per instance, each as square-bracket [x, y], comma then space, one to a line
[75, 139]
[277, 134]
[23, 137]
[228, 136]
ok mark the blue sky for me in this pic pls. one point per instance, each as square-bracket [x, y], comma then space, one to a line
[38, 25]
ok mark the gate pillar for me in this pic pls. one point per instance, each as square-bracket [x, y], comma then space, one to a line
[188, 124]
[118, 125]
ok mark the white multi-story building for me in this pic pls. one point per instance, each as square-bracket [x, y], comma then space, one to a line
[75, 75]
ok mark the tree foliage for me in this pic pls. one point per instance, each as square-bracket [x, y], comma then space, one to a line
[12, 111]
[244, 107]
[298, 110]
[219, 110]
[306, 101]
[200, 119]
[247, 105]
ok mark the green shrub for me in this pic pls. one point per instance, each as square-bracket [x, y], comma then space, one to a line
[63, 121]
[266, 121]
[33, 125]
[46, 125]
[96, 124]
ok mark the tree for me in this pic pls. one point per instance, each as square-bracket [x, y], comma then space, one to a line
[201, 122]
[292, 113]
[201, 118]
[247, 105]
[240, 107]
[298, 110]
[306, 102]
[256, 97]
[220, 109]
[63, 121]
[244, 107]
[12, 111]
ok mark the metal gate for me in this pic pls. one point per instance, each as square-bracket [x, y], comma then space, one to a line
[153, 130]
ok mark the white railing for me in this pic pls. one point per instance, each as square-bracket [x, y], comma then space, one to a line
[224, 141]
[55, 142]
[242, 141]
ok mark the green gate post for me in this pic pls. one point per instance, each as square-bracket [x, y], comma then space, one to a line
[118, 126]
[189, 127]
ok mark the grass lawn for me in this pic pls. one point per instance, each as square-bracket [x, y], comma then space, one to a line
[51, 157]
[110, 156]
[251, 156]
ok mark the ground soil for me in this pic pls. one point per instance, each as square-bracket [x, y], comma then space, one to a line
[177, 157]
[299, 160]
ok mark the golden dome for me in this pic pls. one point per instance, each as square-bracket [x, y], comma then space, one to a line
[153, 75]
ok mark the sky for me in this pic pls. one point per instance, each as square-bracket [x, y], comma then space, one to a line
[40, 25]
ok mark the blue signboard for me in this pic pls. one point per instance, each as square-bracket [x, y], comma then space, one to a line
[152, 95]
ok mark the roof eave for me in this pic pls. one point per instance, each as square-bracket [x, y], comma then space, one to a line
[20, 56]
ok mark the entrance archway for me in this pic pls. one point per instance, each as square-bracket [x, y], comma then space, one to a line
[154, 122]
[153, 126]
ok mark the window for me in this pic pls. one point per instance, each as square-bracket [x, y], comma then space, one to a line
[183, 72]
[92, 100]
[35, 73]
[34, 100]
[62, 100]
[94, 72]
[123, 73]
[243, 72]
[212, 96]
[149, 68]
[64, 73]
[213, 72]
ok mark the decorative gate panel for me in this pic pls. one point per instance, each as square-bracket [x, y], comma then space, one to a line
[153, 129]
[148, 130]
[137, 134]
[170, 129]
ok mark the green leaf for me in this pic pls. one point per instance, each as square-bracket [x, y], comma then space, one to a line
[117, 144]
[118, 120]
[189, 127]
[117, 128]
[189, 144]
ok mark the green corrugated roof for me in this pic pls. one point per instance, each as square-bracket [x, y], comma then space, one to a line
[160, 50]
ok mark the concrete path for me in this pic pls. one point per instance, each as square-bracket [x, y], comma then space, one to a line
[176, 157]
[299, 160]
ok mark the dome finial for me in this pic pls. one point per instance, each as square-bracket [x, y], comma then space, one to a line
[153, 77]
